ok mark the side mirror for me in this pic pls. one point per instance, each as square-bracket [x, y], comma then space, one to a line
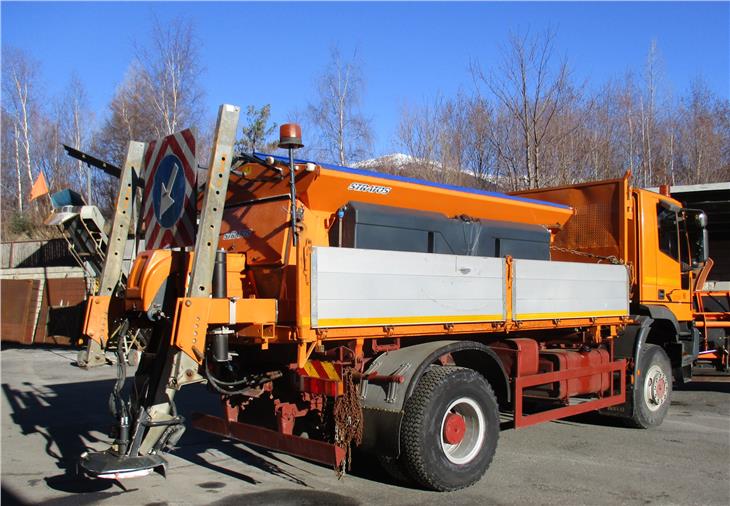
[701, 218]
[705, 245]
[696, 221]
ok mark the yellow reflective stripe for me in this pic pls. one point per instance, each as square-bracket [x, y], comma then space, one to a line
[311, 371]
[407, 320]
[581, 314]
[414, 320]
[331, 372]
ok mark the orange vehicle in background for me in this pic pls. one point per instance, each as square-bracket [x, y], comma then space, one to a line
[331, 307]
[666, 247]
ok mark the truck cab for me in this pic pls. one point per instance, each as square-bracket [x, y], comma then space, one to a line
[671, 247]
[670, 252]
[664, 244]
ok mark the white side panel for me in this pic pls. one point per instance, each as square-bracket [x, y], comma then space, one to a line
[569, 289]
[358, 287]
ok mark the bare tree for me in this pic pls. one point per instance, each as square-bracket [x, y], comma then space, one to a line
[480, 156]
[170, 70]
[418, 133]
[626, 99]
[454, 137]
[74, 128]
[345, 134]
[131, 117]
[11, 176]
[652, 71]
[532, 90]
[704, 137]
[19, 81]
[448, 139]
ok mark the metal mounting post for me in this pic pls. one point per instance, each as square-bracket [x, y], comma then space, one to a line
[123, 214]
[211, 214]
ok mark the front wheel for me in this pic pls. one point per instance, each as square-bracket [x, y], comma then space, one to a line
[652, 388]
[450, 429]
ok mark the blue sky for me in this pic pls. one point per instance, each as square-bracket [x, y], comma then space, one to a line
[258, 53]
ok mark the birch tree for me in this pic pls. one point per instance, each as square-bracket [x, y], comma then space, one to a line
[75, 122]
[131, 116]
[170, 71]
[11, 176]
[532, 88]
[344, 133]
[19, 82]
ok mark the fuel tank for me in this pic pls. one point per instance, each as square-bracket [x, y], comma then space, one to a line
[562, 360]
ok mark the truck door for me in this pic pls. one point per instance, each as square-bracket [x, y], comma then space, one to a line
[668, 267]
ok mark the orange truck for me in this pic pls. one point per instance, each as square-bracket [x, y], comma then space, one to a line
[332, 308]
[667, 249]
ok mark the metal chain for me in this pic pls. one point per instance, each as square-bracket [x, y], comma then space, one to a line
[348, 419]
[613, 259]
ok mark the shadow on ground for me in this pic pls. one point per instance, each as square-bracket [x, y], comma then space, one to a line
[701, 384]
[69, 416]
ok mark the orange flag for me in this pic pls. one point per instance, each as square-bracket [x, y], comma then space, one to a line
[40, 187]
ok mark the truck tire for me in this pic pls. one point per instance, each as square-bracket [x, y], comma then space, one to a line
[450, 429]
[652, 388]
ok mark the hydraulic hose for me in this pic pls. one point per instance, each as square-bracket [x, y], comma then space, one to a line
[117, 405]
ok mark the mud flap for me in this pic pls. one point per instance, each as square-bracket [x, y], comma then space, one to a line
[629, 346]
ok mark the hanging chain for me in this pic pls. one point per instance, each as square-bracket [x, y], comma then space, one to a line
[612, 259]
[348, 419]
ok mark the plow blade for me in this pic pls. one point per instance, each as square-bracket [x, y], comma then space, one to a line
[310, 449]
[112, 466]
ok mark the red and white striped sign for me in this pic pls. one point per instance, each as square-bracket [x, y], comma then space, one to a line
[169, 203]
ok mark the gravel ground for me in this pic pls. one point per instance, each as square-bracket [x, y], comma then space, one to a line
[52, 411]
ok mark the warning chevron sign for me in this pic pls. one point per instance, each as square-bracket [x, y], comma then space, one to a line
[320, 377]
[168, 210]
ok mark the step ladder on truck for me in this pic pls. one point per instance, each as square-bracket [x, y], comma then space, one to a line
[83, 227]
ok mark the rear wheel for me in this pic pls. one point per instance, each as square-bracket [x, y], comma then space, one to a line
[450, 429]
[652, 388]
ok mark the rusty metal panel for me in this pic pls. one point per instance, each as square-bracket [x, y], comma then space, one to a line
[19, 298]
[65, 292]
[63, 326]
[38, 310]
[61, 313]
